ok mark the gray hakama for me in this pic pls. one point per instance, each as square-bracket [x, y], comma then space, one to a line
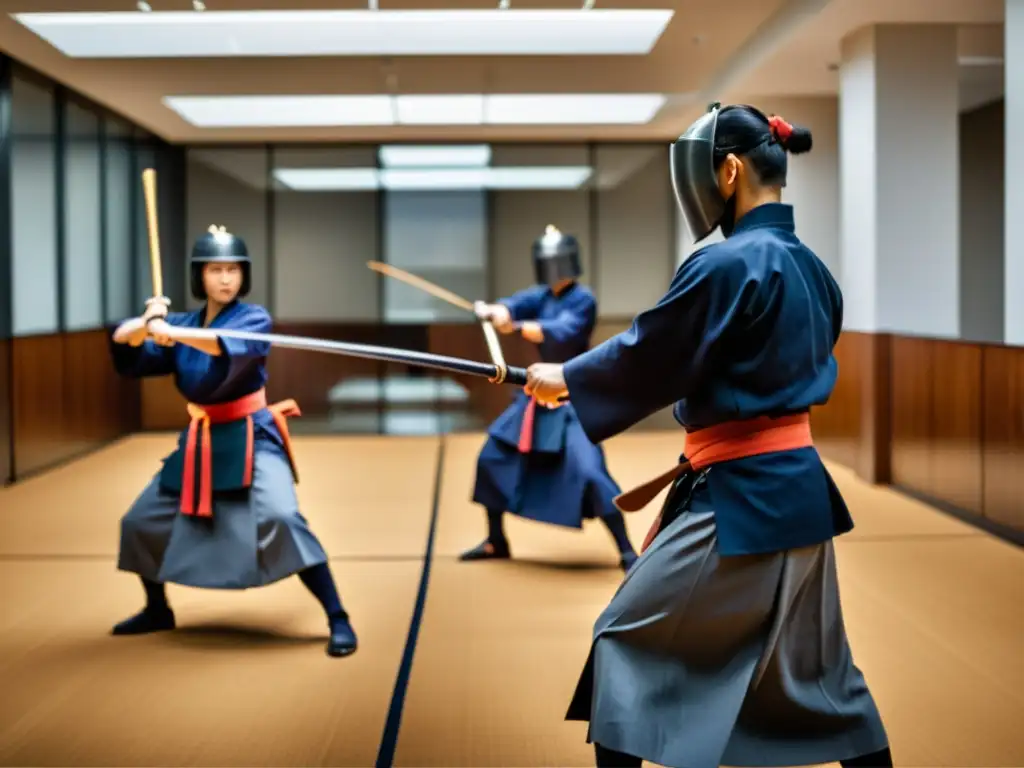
[255, 537]
[701, 660]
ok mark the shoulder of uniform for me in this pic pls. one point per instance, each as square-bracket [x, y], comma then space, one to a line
[715, 256]
[256, 310]
[584, 292]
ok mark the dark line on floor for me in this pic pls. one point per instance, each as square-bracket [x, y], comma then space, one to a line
[916, 538]
[13, 557]
[389, 739]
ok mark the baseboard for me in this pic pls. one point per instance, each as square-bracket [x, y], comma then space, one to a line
[1005, 532]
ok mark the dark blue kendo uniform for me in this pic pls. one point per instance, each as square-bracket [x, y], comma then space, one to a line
[725, 644]
[254, 534]
[557, 475]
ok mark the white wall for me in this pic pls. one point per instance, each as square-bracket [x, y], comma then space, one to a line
[33, 210]
[83, 221]
[322, 241]
[899, 134]
[442, 237]
[918, 180]
[122, 299]
[1014, 203]
[634, 260]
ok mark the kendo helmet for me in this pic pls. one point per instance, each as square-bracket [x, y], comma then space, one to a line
[556, 256]
[219, 245]
[694, 180]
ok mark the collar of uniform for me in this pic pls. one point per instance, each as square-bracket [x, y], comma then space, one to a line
[568, 289]
[777, 215]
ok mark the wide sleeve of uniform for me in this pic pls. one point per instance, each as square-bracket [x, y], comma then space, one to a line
[574, 320]
[238, 355]
[669, 349]
[148, 359]
[254, 319]
[524, 304]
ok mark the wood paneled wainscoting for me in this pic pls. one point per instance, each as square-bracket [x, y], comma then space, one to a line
[65, 399]
[943, 420]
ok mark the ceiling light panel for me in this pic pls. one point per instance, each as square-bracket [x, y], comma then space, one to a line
[572, 109]
[282, 111]
[432, 179]
[382, 110]
[472, 32]
[419, 156]
[456, 109]
[328, 179]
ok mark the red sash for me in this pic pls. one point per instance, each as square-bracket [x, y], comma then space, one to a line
[526, 430]
[723, 442]
[205, 415]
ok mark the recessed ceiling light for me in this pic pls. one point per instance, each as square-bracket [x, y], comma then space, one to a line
[282, 111]
[432, 179]
[457, 109]
[980, 61]
[479, 32]
[510, 109]
[572, 109]
[419, 156]
[328, 179]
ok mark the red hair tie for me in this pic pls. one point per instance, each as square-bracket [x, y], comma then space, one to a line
[780, 129]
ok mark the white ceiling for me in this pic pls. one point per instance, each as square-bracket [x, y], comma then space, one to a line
[710, 50]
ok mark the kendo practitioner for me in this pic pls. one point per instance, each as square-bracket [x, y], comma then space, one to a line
[725, 643]
[537, 461]
[222, 513]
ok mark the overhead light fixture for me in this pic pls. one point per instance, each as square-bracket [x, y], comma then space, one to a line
[460, 109]
[383, 110]
[472, 32]
[328, 179]
[142, 5]
[198, 5]
[572, 109]
[432, 179]
[419, 156]
[539, 178]
[980, 61]
[282, 111]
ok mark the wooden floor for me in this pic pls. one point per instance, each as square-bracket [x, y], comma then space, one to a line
[935, 611]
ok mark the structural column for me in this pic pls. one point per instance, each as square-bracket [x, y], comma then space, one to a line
[900, 209]
[899, 172]
[1013, 247]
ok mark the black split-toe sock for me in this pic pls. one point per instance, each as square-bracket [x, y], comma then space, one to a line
[342, 641]
[149, 619]
[488, 550]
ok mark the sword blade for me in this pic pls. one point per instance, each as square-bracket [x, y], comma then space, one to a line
[416, 281]
[510, 375]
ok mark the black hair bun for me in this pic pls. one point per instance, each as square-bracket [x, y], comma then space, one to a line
[798, 141]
